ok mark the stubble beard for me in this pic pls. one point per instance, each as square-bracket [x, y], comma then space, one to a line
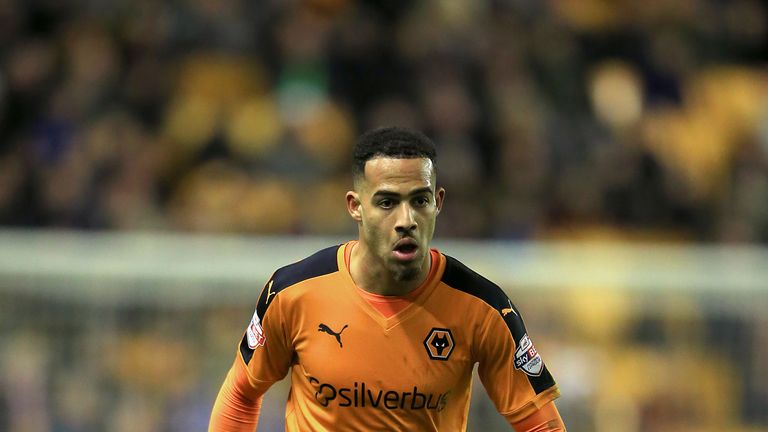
[407, 274]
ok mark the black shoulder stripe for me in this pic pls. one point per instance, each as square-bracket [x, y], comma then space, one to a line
[462, 278]
[320, 263]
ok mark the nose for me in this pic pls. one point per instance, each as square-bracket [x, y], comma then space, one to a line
[406, 222]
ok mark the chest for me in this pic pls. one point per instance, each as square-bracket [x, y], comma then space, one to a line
[421, 350]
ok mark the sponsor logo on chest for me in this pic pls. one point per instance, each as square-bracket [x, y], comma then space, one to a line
[362, 395]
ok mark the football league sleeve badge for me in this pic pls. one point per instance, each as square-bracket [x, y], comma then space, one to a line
[527, 359]
[255, 333]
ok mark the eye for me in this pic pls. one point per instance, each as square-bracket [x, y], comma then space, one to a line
[421, 201]
[386, 203]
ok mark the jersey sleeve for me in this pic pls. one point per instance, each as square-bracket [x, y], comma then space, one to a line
[510, 368]
[546, 419]
[238, 403]
[263, 357]
[266, 348]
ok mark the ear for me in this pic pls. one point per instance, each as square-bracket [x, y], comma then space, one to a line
[439, 197]
[354, 206]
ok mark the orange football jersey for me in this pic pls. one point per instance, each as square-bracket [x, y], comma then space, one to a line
[352, 368]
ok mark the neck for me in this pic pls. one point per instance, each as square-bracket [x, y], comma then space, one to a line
[370, 274]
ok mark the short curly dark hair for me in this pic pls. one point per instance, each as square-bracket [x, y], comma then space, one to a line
[394, 142]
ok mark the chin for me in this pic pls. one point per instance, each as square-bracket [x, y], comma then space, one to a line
[407, 274]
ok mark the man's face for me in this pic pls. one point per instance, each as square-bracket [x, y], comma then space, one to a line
[396, 204]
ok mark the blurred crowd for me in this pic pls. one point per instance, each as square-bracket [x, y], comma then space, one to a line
[645, 117]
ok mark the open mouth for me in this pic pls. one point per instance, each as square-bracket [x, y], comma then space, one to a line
[405, 250]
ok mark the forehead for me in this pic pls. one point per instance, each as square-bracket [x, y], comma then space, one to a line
[391, 173]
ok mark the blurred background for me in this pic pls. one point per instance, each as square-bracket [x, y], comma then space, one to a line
[606, 162]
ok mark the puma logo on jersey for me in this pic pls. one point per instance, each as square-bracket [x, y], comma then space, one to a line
[324, 328]
[505, 311]
[269, 292]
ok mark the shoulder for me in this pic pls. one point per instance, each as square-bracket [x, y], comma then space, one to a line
[318, 264]
[460, 277]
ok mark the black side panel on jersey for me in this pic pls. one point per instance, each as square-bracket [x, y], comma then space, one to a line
[462, 278]
[318, 264]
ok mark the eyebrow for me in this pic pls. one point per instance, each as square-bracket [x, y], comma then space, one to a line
[386, 193]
